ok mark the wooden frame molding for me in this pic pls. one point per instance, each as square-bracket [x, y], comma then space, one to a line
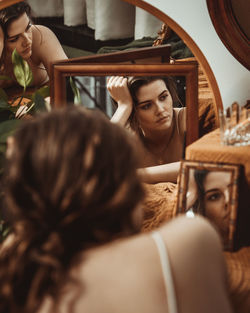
[184, 203]
[187, 69]
[7, 3]
[226, 25]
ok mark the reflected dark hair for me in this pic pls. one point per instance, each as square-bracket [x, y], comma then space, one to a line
[199, 205]
[13, 12]
[70, 184]
[136, 82]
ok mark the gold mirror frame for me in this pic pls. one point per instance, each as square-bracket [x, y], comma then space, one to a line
[189, 70]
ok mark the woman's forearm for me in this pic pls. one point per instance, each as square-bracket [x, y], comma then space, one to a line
[119, 92]
[160, 173]
[121, 115]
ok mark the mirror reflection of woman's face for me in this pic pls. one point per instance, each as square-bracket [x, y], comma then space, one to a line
[154, 110]
[216, 199]
[20, 36]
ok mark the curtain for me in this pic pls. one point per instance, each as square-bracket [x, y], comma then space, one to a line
[111, 19]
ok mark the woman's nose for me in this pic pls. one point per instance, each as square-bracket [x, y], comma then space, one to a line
[26, 40]
[159, 107]
[226, 196]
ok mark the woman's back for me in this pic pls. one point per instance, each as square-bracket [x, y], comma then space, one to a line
[126, 275]
[74, 202]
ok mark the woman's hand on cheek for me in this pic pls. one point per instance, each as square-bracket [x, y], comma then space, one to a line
[118, 89]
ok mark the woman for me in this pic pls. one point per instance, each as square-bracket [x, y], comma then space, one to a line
[146, 103]
[75, 213]
[209, 195]
[35, 43]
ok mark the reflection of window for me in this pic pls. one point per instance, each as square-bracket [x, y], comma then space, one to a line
[181, 90]
[94, 93]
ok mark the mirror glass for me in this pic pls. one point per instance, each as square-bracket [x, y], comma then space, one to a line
[94, 94]
[81, 33]
[211, 190]
[158, 104]
[92, 77]
[85, 27]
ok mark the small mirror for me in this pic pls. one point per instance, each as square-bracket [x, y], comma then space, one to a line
[211, 190]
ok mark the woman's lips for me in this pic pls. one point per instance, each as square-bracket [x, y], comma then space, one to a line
[162, 119]
[28, 49]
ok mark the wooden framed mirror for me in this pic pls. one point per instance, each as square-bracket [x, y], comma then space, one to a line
[211, 189]
[212, 99]
[187, 70]
[231, 22]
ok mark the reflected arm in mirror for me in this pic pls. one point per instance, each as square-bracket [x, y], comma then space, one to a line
[160, 173]
[119, 92]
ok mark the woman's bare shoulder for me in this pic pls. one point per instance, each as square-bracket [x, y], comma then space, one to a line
[181, 116]
[42, 36]
[46, 46]
[42, 31]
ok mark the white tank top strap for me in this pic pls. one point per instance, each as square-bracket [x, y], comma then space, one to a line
[166, 270]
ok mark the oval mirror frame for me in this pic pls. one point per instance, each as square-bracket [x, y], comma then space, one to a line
[228, 29]
[182, 34]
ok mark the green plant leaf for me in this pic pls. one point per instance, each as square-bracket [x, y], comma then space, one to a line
[4, 77]
[7, 128]
[76, 92]
[11, 109]
[21, 70]
[39, 103]
[44, 91]
[5, 106]
[3, 95]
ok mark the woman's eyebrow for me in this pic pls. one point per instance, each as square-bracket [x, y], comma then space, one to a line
[146, 101]
[212, 190]
[27, 27]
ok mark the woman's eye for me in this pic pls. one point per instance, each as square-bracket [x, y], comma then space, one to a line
[214, 196]
[163, 97]
[145, 106]
[13, 40]
[29, 26]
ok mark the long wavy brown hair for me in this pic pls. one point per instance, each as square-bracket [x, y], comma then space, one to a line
[13, 12]
[70, 184]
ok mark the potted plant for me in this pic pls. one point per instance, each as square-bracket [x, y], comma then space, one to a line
[14, 109]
